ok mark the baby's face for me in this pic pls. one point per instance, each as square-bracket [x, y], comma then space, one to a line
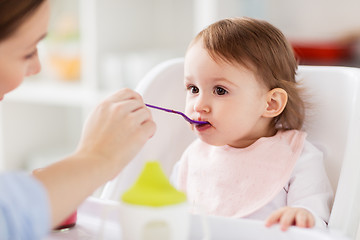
[228, 96]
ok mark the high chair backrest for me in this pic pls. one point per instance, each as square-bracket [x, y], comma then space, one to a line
[332, 124]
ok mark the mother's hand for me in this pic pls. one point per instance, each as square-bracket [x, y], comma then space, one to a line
[117, 129]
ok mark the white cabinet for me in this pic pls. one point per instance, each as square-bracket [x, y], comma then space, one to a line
[41, 122]
[117, 42]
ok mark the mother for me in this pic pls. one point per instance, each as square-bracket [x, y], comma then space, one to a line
[118, 127]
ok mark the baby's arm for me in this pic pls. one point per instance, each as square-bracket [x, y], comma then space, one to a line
[309, 196]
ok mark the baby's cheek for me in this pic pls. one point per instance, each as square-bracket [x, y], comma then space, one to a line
[188, 109]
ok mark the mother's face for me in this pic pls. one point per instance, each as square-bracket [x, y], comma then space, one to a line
[18, 53]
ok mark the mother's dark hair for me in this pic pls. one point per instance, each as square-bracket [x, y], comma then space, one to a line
[13, 13]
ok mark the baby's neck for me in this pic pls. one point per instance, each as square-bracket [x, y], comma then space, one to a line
[247, 142]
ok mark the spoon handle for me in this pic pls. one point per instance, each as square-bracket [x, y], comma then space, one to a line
[160, 108]
[177, 112]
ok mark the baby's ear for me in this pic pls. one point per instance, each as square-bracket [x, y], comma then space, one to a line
[276, 100]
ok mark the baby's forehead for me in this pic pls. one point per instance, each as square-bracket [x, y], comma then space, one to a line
[239, 63]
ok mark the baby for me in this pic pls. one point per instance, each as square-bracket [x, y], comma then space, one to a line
[251, 160]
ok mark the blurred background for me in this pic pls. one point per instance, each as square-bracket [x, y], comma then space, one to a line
[120, 40]
[95, 47]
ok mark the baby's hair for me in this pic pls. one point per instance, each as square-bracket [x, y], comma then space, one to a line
[262, 48]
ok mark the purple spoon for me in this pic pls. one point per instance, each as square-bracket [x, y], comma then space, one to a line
[180, 113]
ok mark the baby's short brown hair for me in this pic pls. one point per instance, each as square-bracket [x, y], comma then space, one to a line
[262, 48]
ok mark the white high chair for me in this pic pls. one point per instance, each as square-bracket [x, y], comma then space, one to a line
[333, 126]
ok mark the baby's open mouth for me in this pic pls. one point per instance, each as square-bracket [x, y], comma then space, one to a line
[202, 125]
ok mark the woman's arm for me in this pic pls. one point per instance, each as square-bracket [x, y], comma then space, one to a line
[113, 134]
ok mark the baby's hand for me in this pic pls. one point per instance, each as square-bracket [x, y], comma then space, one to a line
[289, 216]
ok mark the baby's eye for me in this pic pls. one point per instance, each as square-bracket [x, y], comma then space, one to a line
[220, 91]
[193, 89]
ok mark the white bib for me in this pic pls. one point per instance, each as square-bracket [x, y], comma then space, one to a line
[235, 182]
